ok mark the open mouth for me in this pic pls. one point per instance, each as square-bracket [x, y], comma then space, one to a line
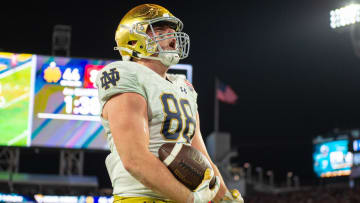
[172, 45]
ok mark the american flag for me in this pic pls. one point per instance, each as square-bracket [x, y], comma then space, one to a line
[225, 94]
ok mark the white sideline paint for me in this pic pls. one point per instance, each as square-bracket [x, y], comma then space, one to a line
[5, 105]
[14, 70]
[16, 139]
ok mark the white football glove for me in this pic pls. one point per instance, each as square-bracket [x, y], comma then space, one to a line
[233, 196]
[203, 193]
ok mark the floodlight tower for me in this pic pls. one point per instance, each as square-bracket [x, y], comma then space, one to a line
[348, 17]
[61, 40]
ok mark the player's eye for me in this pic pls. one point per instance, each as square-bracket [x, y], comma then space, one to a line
[159, 30]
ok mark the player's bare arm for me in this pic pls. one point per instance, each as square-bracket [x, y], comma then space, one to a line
[127, 114]
[199, 144]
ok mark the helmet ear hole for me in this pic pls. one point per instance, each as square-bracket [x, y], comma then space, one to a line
[132, 42]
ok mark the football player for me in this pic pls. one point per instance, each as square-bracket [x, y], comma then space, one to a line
[143, 107]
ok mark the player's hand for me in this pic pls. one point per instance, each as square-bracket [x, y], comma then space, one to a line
[232, 196]
[203, 193]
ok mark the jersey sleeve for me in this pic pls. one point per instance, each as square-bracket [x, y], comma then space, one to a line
[116, 78]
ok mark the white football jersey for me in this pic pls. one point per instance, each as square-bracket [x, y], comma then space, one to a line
[172, 110]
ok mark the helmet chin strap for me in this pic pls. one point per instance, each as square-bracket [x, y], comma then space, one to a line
[168, 59]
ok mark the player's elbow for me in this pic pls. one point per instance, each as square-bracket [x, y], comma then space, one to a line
[131, 164]
[128, 164]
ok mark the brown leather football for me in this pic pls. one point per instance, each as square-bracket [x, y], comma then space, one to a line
[186, 163]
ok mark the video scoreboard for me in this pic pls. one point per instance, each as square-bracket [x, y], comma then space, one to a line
[332, 158]
[48, 101]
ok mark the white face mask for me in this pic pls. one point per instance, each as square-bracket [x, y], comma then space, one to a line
[169, 59]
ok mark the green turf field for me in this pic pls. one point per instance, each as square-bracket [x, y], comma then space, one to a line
[14, 111]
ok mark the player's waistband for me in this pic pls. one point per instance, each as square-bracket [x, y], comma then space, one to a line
[119, 199]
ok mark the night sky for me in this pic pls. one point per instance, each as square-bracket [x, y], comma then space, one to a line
[295, 76]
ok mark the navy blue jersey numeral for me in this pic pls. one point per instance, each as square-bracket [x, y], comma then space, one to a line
[189, 120]
[171, 116]
[174, 115]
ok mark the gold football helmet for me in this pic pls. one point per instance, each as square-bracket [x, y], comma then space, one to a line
[133, 42]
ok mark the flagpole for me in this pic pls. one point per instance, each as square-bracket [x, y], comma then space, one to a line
[216, 109]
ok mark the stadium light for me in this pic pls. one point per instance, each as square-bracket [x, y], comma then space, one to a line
[61, 40]
[345, 16]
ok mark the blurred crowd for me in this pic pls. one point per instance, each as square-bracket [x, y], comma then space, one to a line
[310, 195]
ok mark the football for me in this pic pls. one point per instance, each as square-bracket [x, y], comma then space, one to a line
[186, 163]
